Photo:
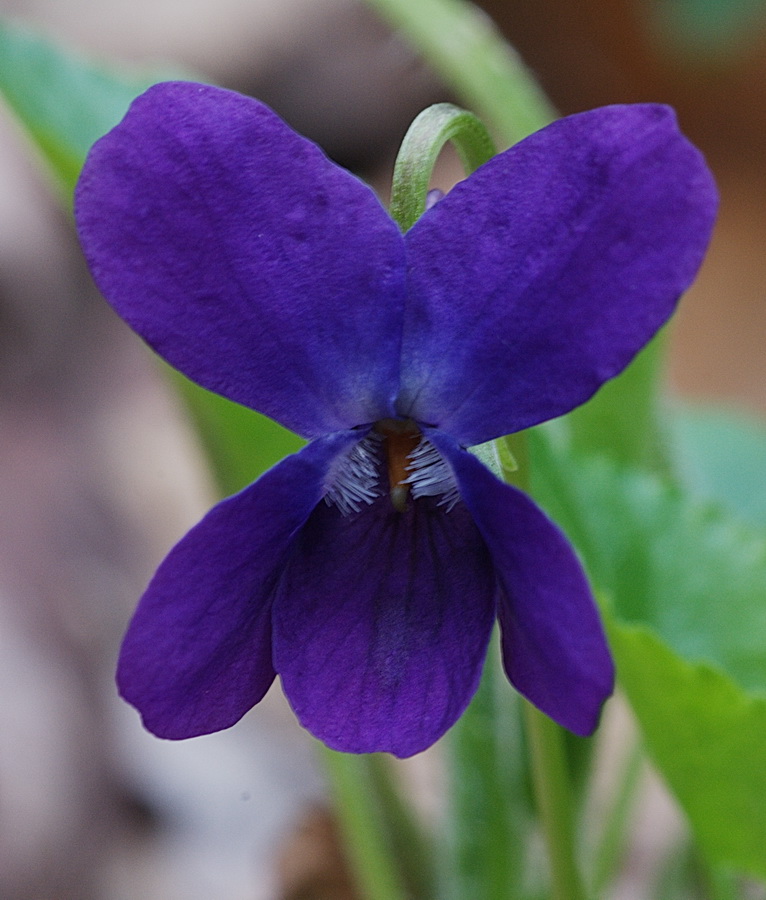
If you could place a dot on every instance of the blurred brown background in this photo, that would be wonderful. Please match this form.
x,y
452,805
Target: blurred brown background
x,y
99,473
605,51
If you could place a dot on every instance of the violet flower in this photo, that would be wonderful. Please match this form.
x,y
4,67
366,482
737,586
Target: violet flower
x,y
368,569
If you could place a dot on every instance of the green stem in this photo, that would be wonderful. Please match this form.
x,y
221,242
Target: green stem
x,y
488,803
469,53
363,827
547,756
553,795
411,844
420,148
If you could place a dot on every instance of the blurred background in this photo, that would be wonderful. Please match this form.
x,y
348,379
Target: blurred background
x,y
100,472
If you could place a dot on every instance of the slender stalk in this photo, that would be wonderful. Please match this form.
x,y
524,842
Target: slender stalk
x,y
553,795
422,144
547,758
411,843
363,827
488,803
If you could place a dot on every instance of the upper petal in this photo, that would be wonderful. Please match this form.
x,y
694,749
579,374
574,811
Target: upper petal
x,y
554,649
541,275
197,654
246,258
381,624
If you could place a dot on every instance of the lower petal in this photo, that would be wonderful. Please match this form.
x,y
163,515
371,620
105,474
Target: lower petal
x,y
197,654
381,624
554,649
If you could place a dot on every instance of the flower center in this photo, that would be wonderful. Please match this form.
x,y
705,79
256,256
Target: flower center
x,y
400,440
394,450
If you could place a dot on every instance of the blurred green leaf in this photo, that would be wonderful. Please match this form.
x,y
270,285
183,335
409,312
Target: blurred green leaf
x,y
625,418
63,100
721,455
707,736
688,585
687,569
240,444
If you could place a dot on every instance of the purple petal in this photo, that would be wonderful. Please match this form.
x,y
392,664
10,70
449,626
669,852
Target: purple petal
x,y
554,649
381,624
246,258
540,276
197,655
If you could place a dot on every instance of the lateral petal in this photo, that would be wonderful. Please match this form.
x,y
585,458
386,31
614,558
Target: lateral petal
x,y
554,649
381,624
197,654
246,258
539,277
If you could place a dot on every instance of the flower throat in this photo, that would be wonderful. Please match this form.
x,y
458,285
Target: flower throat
x,y
413,467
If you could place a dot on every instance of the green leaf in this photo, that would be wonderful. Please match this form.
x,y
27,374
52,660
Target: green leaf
x,y
688,586
722,456
64,101
625,419
240,443
690,570
707,736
